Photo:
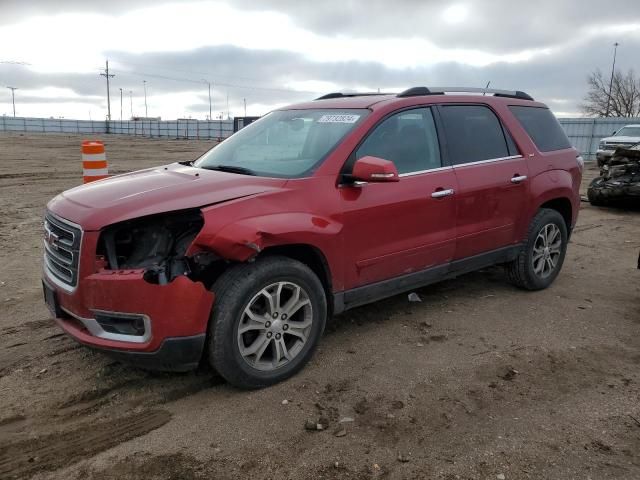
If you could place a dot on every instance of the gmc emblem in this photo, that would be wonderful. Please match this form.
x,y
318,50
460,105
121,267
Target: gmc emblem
x,y
50,237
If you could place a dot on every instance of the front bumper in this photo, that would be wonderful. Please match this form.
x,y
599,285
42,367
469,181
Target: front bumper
x,y
175,317
179,354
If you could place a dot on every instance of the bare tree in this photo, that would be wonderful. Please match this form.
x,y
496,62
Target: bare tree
x,y
625,95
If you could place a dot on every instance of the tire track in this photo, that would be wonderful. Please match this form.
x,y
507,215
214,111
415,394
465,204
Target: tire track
x,y
51,452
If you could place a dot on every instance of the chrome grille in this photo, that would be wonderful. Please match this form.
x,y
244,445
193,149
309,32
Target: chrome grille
x,y
61,249
614,145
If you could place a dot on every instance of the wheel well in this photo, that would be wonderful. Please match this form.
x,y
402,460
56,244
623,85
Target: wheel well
x,y
313,258
562,206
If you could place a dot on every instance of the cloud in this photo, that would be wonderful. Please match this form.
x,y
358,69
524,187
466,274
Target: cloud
x,y
276,52
14,11
497,26
270,78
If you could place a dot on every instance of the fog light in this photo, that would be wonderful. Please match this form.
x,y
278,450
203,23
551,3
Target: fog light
x,y
122,324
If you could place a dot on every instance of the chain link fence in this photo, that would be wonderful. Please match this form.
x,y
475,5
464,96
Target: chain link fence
x,y
185,129
584,133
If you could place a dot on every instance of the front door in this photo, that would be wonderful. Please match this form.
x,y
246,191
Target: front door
x,y
392,229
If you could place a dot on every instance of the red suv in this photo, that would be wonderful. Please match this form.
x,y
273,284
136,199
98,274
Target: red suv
x,y
241,255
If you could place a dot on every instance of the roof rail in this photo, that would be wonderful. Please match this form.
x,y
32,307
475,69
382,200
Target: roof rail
x,y
416,91
346,95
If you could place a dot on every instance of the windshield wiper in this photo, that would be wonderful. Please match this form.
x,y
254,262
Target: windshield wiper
x,y
230,169
187,163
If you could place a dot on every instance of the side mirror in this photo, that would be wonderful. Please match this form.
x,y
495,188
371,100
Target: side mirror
x,y
374,169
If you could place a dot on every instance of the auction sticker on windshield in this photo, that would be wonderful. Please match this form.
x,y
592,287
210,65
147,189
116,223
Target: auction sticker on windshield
x,y
338,118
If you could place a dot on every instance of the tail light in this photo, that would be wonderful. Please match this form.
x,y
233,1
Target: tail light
x,y
580,161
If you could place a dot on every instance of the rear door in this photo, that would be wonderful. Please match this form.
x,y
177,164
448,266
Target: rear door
x,y
392,229
491,175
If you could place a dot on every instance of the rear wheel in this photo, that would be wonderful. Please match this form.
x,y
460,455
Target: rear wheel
x,y
267,320
541,258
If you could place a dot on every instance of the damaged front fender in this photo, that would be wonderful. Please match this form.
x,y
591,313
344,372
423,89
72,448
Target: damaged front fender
x,y
243,240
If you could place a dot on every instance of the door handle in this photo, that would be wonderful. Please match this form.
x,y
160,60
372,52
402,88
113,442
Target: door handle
x,y
518,178
442,193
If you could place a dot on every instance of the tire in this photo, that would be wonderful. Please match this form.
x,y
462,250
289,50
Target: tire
x,y
242,301
522,272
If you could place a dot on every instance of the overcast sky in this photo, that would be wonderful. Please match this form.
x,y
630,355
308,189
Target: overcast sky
x,y
274,52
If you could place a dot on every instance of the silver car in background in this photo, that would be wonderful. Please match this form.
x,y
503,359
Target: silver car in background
x,y
626,137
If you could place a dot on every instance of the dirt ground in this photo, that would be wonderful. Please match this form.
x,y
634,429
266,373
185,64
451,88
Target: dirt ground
x,y
478,381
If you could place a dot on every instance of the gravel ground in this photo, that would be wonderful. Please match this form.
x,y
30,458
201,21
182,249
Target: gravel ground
x,y
478,381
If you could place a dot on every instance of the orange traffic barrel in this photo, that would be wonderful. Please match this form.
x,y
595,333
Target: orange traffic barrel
x,y
94,161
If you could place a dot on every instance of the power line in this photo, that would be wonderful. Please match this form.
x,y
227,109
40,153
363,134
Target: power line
x,y
192,72
230,85
107,75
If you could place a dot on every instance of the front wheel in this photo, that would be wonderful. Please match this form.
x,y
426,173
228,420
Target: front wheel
x,y
267,320
542,255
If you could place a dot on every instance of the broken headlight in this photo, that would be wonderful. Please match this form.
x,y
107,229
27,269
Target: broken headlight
x,y
156,243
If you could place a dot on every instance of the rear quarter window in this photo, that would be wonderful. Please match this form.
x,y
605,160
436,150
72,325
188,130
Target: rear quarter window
x,y
542,126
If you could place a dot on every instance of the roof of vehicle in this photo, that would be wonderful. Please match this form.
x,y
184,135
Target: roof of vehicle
x,y
434,94
354,101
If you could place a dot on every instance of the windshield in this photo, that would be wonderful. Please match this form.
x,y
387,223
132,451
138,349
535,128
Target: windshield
x,y
285,143
628,132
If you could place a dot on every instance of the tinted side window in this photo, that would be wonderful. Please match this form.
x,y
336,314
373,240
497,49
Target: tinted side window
x,y
474,133
543,128
408,139
513,150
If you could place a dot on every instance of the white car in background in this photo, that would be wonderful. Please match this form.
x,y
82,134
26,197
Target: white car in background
x,y
626,137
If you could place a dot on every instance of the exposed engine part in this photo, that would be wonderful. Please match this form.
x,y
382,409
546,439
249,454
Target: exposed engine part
x,y
619,180
157,244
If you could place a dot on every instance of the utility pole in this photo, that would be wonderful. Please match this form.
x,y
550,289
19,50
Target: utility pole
x,y
131,102
107,75
13,99
210,104
144,83
121,104
613,69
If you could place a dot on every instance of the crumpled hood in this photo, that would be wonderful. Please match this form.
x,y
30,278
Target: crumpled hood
x,y
155,190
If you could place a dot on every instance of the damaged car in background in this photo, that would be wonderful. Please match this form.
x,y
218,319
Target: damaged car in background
x,y
625,137
619,180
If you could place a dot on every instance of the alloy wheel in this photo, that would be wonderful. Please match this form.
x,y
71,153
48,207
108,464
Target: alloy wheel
x,y
275,326
547,249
